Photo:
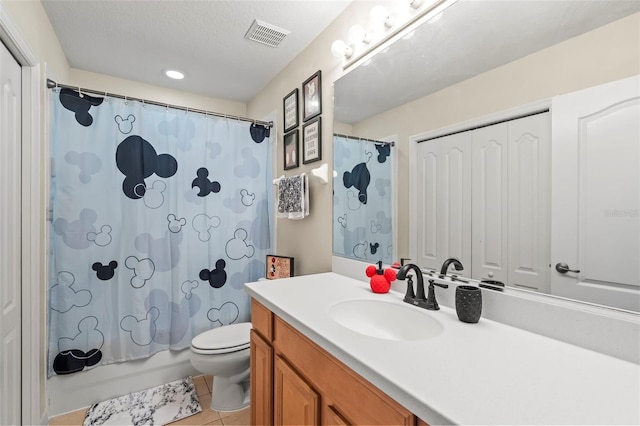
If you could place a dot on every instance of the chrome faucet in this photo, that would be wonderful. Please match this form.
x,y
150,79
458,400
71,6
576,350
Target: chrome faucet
x,y
456,263
418,298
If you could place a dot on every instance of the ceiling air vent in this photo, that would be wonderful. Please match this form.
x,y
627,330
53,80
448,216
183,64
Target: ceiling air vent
x,y
266,33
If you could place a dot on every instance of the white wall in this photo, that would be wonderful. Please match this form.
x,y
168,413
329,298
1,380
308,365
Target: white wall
x,y
119,86
310,240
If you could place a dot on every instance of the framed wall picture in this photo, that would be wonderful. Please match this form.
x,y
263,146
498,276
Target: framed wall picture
x,y
279,267
290,109
312,141
312,96
290,150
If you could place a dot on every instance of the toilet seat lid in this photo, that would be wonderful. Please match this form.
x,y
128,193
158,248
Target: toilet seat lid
x,y
228,338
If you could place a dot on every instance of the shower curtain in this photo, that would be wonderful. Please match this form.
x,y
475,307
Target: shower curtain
x,y
159,216
362,200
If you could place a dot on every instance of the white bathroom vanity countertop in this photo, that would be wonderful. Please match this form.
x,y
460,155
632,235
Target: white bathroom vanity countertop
x,y
484,373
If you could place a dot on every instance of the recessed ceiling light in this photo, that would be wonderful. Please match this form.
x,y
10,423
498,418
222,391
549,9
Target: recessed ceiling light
x,y
175,74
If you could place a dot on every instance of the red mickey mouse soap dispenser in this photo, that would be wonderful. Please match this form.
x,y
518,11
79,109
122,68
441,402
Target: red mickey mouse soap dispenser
x,y
381,280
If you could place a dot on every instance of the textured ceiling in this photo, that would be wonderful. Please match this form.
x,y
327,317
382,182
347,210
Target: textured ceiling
x,y
136,40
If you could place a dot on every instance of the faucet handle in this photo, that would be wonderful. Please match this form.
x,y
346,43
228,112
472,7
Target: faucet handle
x,y
432,282
409,295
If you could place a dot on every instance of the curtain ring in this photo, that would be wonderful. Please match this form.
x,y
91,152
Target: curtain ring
x,y
80,92
106,98
126,101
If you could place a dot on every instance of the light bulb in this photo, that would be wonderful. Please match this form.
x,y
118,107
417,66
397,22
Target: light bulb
x,y
389,21
358,34
340,49
378,15
337,48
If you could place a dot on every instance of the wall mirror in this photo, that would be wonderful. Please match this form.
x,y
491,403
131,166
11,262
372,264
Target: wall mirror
x,y
444,74
363,198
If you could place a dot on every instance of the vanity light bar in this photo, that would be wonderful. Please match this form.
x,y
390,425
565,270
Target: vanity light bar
x,y
436,7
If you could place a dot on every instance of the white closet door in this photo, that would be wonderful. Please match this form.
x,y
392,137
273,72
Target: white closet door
x,y
10,227
490,201
595,200
529,195
444,201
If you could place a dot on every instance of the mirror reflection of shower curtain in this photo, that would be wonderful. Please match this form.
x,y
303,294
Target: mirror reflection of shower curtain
x,y
362,200
159,218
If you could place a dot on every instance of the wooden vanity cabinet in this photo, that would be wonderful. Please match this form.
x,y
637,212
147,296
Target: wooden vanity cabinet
x,y
294,381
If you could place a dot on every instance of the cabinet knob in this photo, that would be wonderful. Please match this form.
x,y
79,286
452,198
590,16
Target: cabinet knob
x,y
490,274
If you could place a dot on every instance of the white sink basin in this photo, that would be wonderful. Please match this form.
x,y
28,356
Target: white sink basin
x,y
384,320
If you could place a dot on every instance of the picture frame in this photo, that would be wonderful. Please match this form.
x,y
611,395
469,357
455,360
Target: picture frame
x,y
312,141
279,267
290,110
290,150
312,96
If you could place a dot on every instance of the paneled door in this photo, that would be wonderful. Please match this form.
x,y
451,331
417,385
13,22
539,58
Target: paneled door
x,y
595,221
510,198
10,247
529,195
490,202
444,201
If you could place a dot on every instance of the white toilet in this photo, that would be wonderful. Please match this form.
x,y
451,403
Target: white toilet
x,y
223,352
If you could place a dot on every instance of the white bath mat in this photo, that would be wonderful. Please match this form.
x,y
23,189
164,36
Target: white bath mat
x,y
156,406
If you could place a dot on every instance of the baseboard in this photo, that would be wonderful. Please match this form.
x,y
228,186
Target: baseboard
x,y
76,391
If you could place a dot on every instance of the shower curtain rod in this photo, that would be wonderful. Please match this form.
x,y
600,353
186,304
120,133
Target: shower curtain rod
x,y
364,139
52,84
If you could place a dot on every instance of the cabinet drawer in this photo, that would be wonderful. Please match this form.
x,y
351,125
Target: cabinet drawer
x,y
262,320
358,401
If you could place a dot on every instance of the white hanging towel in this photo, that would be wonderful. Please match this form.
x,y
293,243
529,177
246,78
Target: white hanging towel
x,y
293,197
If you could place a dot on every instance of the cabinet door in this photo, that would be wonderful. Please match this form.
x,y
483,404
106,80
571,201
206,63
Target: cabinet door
x,y
261,381
296,403
331,416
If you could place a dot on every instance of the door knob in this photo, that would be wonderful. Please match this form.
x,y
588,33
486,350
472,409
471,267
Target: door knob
x,y
563,268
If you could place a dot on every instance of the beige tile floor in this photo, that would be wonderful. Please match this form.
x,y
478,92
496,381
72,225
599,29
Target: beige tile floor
x,y
206,417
